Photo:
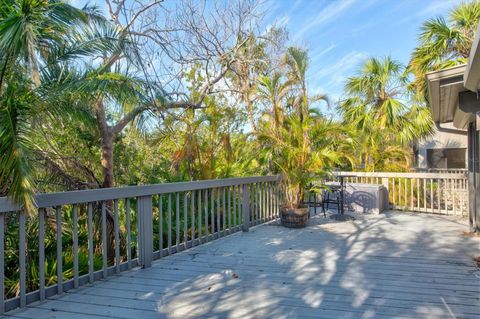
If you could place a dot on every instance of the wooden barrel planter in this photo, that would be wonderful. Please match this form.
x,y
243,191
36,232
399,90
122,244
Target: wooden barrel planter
x,y
294,218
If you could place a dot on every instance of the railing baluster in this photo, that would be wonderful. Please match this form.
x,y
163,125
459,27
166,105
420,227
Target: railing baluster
x,y
199,207
212,212
260,202
272,211
21,254
400,191
2,263
224,212
274,201
185,219
205,201
129,243
417,183
160,224
425,194
169,223
41,252
240,207
104,240
177,222
117,236
453,186
234,195
393,193
245,207
256,203
90,242
444,191
277,204
411,193
431,195
218,213
265,201
192,208
75,246
229,210
439,196
58,210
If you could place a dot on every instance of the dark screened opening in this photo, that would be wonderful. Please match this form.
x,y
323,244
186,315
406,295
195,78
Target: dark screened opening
x,y
446,158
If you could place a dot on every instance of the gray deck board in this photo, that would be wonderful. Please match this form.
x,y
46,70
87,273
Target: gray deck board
x,y
395,265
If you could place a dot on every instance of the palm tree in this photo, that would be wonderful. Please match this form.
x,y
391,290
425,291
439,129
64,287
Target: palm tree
x,y
382,110
30,31
273,89
297,61
444,42
302,150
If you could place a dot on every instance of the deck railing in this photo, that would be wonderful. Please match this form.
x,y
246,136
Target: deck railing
x,y
442,170
113,230
440,193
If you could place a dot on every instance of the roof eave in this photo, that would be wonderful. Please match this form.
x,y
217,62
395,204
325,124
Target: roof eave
x,y
472,73
435,80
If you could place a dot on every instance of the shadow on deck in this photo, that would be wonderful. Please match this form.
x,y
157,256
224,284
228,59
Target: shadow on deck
x,y
392,265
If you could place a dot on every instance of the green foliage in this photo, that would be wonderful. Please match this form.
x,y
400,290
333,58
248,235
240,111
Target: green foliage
x,y
385,116
302,150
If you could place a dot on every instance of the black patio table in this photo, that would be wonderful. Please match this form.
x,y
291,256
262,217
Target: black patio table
x,y
341,214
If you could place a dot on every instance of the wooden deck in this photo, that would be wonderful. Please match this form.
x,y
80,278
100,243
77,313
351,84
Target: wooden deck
x,y
394,265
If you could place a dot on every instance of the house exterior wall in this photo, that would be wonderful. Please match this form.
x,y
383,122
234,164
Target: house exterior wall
x,y
439,140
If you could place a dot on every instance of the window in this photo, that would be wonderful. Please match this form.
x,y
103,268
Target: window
x,y
446,158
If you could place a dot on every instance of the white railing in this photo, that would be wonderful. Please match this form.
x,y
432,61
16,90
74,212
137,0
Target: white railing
x,y
440,193
115,229
442,170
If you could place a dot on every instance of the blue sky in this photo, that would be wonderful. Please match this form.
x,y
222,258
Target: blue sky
x,y
340,34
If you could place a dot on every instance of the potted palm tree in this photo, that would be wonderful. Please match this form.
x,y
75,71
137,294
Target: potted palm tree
x,y
302,151
301,144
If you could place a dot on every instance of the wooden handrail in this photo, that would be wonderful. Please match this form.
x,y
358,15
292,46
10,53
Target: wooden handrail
x,y
101,194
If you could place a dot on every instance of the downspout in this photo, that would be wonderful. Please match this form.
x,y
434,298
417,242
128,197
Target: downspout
x,y
450,130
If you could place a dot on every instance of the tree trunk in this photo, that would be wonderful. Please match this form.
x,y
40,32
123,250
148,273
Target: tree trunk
x,y
250,115
106,159
248,103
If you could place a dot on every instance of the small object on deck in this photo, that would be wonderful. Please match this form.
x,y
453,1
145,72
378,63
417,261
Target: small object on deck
x,y
477,260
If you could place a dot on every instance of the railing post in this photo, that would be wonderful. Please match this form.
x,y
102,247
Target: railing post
x,y
145,231
246,208
385,184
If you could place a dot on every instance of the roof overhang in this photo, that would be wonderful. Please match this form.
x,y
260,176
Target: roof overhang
x,y
472,74
453,92
443,89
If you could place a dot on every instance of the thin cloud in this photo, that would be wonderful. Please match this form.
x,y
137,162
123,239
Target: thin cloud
x,y
333,10
334,75
436,8
315,56
283,21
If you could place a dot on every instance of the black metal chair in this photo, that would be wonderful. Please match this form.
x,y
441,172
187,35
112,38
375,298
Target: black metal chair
x,y
331,196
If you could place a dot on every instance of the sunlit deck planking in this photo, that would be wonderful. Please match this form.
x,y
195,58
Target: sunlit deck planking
x,y
394,265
